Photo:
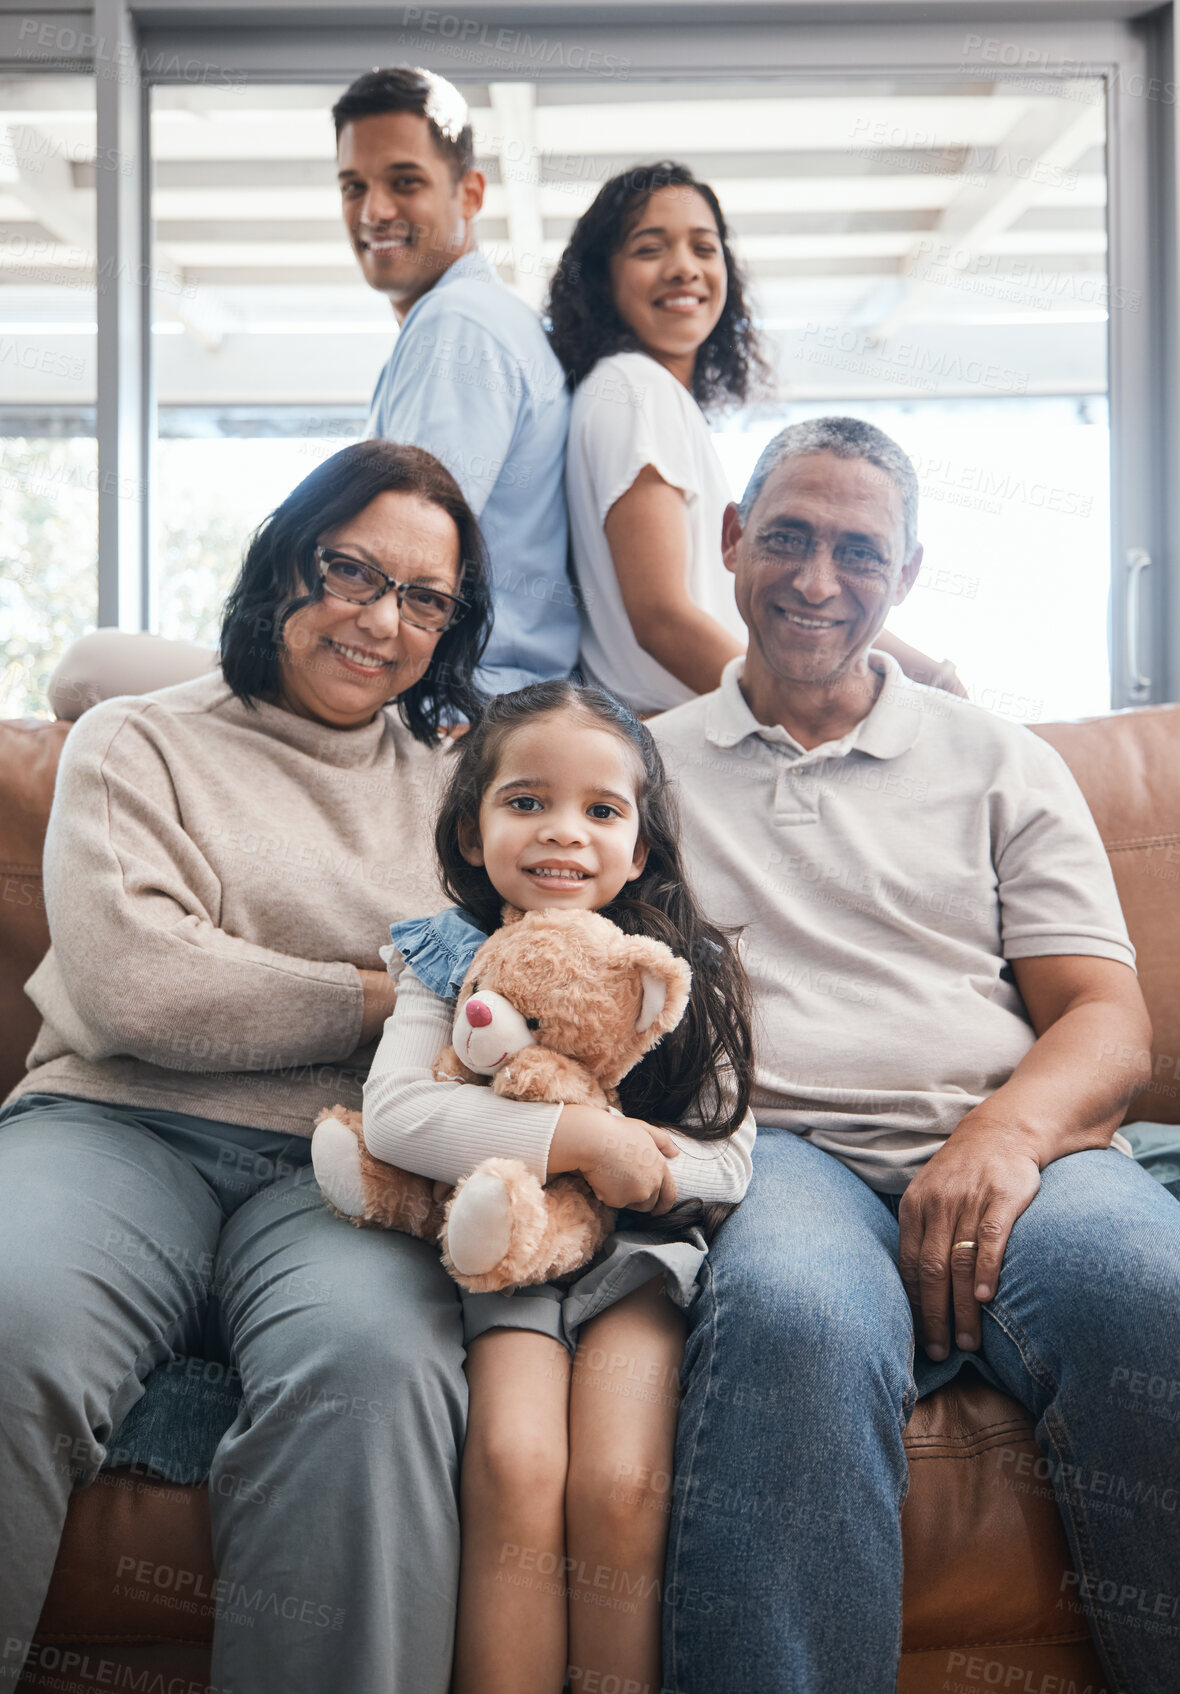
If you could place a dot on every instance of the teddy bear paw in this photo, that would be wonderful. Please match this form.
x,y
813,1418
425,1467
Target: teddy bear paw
x,y
336,1160
479,1225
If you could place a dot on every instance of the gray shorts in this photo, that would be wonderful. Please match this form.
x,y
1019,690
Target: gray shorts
x,y
628,1259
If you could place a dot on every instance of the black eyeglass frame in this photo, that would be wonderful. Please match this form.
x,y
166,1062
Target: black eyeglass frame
x,y
458,605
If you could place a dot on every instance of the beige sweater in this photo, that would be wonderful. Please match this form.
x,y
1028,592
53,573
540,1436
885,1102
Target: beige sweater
x,y
214,877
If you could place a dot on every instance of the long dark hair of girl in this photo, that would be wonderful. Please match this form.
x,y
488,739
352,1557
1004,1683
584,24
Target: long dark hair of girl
x,y
712,1042
585,323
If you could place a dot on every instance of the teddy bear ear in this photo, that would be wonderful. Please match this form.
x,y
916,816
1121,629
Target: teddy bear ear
x,y
655,998
664,982
510,914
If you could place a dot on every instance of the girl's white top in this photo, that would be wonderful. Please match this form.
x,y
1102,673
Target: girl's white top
x,y
444,1129
631,412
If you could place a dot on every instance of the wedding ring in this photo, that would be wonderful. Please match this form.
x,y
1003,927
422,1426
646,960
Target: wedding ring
x,y
972,1244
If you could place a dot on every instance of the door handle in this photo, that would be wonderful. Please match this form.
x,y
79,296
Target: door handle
x,y
1138,563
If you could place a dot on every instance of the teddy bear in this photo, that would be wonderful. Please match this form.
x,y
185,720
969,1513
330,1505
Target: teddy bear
x,y
555,1006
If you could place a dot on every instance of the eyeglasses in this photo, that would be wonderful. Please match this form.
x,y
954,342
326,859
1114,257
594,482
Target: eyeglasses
x,y
353,579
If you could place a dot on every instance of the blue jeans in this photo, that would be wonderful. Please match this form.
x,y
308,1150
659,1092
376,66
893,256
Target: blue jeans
x,y
784,1557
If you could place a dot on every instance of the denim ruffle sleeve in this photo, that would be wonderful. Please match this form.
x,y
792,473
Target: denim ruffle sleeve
x,y
439,949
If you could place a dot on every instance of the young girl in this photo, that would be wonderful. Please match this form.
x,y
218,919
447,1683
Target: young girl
x,y
559,799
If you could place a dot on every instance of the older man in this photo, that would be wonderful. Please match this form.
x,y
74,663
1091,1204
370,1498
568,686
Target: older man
x,y
939,963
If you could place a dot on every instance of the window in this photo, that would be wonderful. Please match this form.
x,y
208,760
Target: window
x,y
48,460
930,255
954,229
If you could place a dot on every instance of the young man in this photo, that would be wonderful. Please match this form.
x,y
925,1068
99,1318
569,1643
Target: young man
x,y
938,960
471,378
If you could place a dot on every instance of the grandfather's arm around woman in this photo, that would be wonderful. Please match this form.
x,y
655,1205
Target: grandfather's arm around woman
x,y
222,861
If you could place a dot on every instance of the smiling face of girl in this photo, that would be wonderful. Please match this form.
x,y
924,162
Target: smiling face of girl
x,y
559,820
668,279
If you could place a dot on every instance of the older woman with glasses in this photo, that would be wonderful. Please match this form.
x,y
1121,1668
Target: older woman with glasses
x,y
222,864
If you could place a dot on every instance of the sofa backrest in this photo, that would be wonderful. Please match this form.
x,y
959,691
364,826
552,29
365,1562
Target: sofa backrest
x,y
29,751
1127,765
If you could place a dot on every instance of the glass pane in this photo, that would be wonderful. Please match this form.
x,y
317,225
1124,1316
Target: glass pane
x,y
209,495
937,265
267,356
48,562
48,468
929,255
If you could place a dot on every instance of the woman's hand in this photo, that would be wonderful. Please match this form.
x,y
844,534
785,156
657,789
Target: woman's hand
x,y
625,1160
972,1190
380,997
919,666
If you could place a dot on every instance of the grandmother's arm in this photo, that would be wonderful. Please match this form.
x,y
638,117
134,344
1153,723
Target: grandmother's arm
x,y
133,908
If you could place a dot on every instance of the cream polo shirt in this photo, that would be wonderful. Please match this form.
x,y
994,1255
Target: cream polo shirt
x,y
883,881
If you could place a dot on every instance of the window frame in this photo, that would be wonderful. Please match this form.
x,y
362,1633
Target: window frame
x,y
145,43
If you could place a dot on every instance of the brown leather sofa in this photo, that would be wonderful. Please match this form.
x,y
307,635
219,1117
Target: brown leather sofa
x,y
985,1557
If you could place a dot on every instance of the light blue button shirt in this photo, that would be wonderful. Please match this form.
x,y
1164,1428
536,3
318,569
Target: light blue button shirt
x,y
472,379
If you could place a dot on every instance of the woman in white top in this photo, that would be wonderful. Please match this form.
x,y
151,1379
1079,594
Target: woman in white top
x,y
650,322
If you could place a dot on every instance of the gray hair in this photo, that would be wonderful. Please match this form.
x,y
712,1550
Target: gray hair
x,y
847,438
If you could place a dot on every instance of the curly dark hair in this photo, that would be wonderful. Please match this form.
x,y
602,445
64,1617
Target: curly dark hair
x,y
585,323
713,1041
279,577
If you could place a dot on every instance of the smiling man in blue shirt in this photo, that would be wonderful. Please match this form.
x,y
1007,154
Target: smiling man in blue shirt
x,y
472,377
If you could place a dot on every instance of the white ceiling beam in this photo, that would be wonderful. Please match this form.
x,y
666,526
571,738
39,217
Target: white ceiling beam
x,y
514,106
997,188
45,183
804,123
295,256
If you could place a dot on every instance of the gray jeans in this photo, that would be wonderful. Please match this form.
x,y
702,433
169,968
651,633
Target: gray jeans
x,y
127,1236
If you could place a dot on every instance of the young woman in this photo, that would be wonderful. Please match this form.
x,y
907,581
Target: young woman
x,y
559,799
221,861
650,321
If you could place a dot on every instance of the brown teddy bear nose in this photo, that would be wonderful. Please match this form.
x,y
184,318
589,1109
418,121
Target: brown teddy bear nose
x,y
479,1015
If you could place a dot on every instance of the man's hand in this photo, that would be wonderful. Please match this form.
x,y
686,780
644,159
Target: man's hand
x,y
624,1160
973,1189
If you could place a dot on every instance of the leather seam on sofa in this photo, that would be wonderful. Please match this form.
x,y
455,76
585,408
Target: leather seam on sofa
x,y
1002,1641
962,1447
981,1429
1139,842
